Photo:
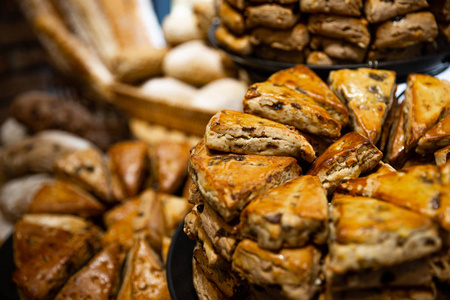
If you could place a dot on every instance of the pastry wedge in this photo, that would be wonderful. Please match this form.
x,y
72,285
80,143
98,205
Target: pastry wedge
x,y
88,169
174,210
378,10
435,138
223,278
48,249
169,160
352,30
395,153
61,197
232,131
304,80
442,156
369,233
427,100
294,270
418,188
228,182
349,8
206,289
144,276
345,159
271,16
338,49
106,266
129,161
369,95
294,39
285,105
232,19
408,274
409,30
289,215
237,44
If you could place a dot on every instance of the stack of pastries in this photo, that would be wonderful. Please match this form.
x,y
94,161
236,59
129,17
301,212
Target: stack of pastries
x,y
93,225
293,201
333,32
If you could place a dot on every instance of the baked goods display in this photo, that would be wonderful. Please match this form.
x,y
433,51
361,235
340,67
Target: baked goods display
x,y
351,227
356,31
93,223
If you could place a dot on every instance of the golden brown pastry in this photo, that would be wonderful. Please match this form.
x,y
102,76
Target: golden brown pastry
x,y
440,265
144,276
294,39
169,163
418,188
435,138
88,169
368,233
318,58
379,10
369,95
338,49
294,270
233,20
98,279
232,131
129,162
215,177
304,80
237,44
271,16
121,211
48,249
352,30
61,197
223,278
204,287
348,8
395,152
347,158
149,221
411,29
442,156
174,210
426,100
285,105
289,215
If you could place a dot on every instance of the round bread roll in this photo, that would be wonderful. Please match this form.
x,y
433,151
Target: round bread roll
x,y
197,64
169,89
226,93
181,26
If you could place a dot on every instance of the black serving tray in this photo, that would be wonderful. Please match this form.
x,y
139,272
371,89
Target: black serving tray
x,y
8,289
179,267
260,69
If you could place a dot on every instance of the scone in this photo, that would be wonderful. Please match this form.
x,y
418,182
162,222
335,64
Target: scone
x,y
271,16
48,249
369,95
206,290
426,100
338,49
237,44
368,233
295,39
379,10
285,105
289,215
232,131
352,30
435,138
395,152
408,274
129,160
411,29
319,58
418,188
232,19
293,270
442,156
347,158
61,197
347,8
224,278
85,284
144,276
215,177
174,209
304,80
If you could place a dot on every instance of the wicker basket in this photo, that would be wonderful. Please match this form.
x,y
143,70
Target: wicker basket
x,y
185,118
